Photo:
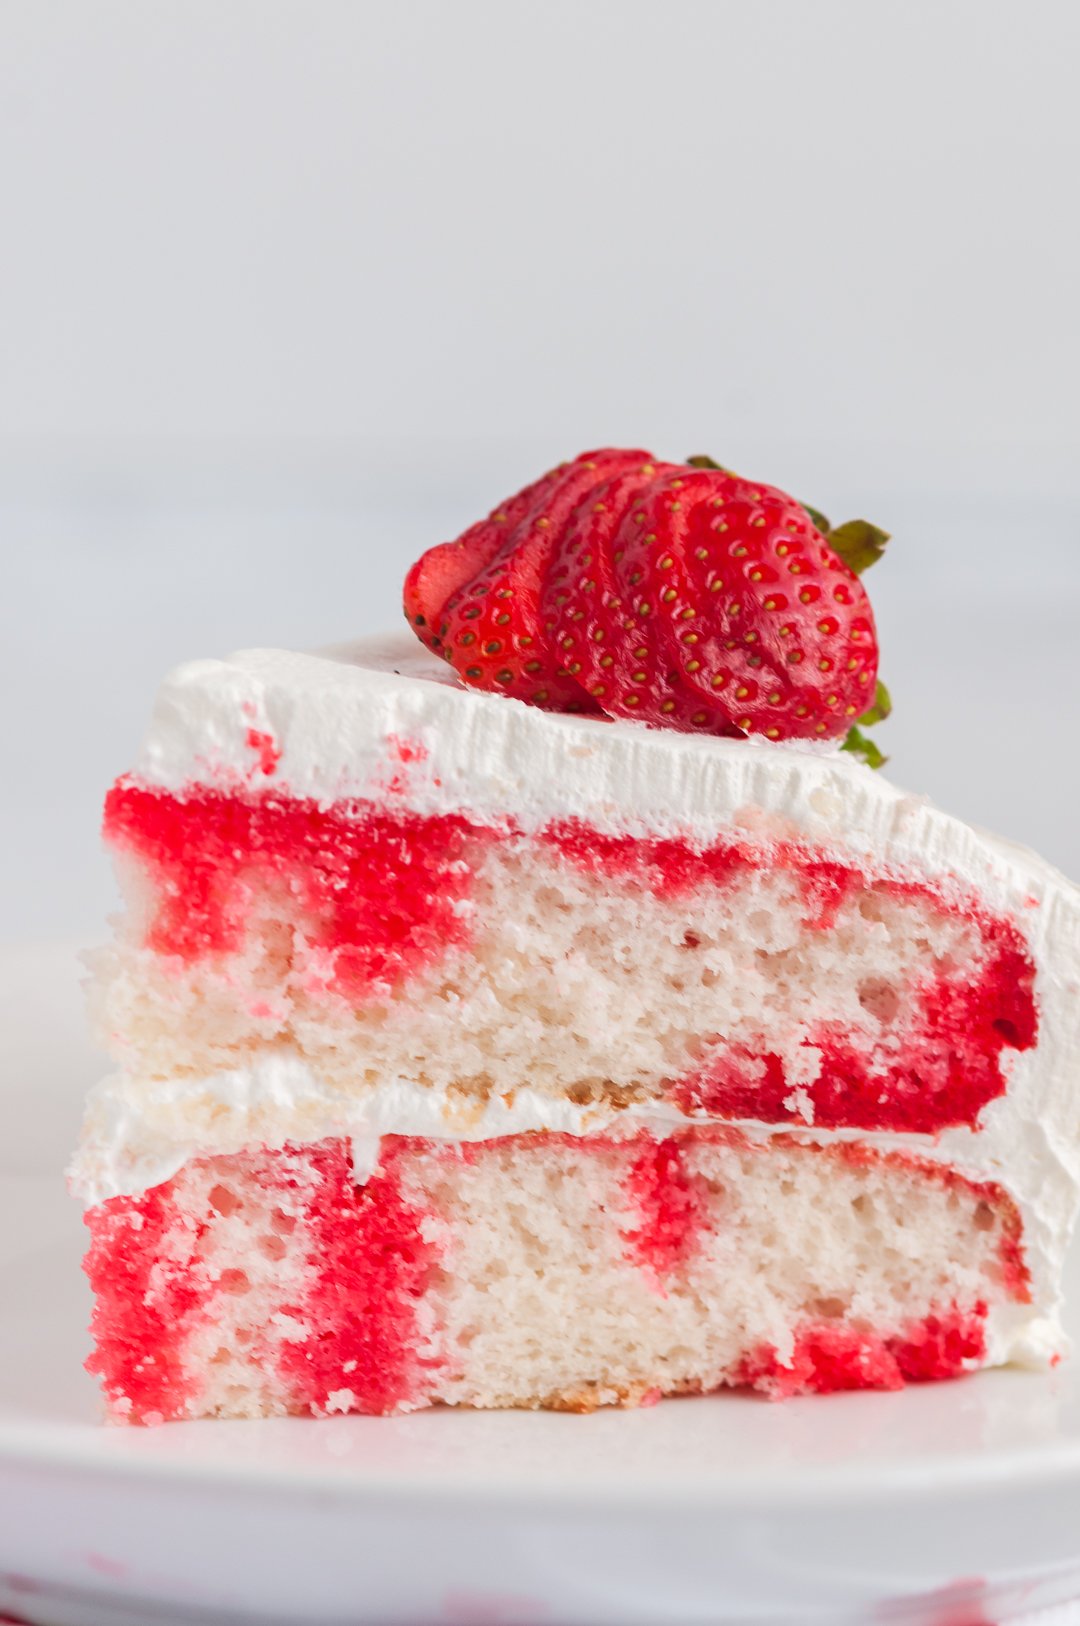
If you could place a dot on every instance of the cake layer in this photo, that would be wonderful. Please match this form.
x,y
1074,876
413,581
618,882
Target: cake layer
x,y
545,1270
747,978
350,859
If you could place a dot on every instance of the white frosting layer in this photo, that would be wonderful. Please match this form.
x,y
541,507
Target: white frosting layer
x,y
386,721
139,1132
339,724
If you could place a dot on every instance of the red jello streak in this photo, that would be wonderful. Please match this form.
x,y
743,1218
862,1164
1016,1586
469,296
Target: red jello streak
x,y
380,888
671,867
670,1207
829,1357
674,1211
667,866
266,749
148,1298
371,1264
947,1064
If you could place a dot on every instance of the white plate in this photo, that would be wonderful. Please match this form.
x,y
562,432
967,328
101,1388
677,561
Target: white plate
x,y
942,1505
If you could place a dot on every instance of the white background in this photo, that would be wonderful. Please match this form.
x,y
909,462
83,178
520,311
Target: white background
x,y
289,291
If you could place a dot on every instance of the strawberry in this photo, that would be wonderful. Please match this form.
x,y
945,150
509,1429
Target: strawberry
x,y
441,571
584,618
492,627
434,577
755,611
679,704
676,594
597,634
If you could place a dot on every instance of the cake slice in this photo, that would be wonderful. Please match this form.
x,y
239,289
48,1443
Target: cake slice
x,y
471,1052
514,1058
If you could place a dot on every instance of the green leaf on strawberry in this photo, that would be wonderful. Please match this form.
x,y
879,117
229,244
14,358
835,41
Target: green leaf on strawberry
x,y
857,742
820,522
701,460
864,748
858,543
880,709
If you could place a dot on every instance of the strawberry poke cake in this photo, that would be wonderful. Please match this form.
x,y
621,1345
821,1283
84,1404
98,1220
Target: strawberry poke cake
x,y
550,1006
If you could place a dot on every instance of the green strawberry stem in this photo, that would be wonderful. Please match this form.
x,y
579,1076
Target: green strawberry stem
x,y
857,742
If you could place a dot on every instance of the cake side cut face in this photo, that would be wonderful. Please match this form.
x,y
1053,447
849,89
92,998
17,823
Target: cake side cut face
x,y
545,1271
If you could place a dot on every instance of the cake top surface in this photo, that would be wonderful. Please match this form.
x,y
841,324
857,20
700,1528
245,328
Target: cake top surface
x,y
384,720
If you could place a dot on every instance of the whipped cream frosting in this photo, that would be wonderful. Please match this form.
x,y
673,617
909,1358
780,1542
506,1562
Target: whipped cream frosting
x,y
385,720
384,717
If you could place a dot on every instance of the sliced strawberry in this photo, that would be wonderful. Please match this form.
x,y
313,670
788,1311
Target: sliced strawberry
x,y
681,596
655,690
592,628
435,576
760,615
584,618
442,570
492,628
